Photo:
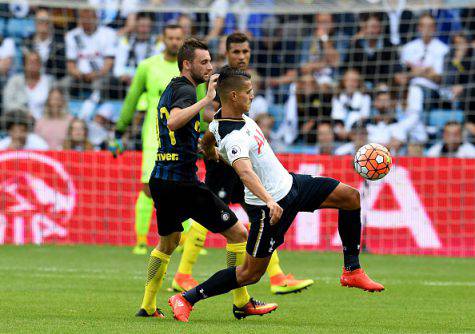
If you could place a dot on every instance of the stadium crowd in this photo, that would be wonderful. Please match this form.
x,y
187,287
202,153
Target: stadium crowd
x,y
324,83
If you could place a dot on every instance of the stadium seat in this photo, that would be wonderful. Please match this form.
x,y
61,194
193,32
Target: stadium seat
x,y
438,117
20,28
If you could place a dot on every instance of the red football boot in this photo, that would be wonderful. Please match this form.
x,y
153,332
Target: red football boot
x,y
181,307
358,279
253,307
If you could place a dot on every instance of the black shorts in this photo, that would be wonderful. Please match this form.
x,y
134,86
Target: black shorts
x,y
306,195
175,202
223,180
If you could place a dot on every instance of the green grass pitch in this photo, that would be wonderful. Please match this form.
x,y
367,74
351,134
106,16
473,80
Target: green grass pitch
x,y
83,289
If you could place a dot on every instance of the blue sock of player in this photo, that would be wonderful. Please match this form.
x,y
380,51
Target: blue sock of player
x,y
349,228
221,282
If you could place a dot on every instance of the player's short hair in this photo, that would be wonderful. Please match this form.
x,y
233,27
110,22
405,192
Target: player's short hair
x,y
236,37
187,51
171,26
229,79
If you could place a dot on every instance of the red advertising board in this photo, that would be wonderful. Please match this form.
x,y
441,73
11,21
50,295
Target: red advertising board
x,y
424,205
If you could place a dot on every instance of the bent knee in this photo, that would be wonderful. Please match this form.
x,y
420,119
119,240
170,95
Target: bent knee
x,y
251,277
236,234
354,199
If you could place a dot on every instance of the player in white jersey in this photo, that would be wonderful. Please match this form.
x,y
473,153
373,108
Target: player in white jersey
x,y
273,198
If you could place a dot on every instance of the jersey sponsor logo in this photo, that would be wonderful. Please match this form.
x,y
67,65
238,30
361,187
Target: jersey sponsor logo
x,y
168,157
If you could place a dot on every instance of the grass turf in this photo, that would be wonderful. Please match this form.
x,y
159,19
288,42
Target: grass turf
x,y
72,289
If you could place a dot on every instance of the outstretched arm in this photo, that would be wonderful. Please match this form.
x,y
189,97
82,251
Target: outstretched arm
x,y
243,168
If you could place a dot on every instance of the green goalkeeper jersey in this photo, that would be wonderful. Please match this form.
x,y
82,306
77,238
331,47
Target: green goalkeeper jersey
x,y
151,77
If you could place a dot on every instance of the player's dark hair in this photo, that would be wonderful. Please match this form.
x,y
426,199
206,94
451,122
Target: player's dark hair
x,y
230,78
172,26
236,37
187,51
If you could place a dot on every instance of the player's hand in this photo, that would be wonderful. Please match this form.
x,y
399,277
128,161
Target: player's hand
x,y
213,81
210,152
275,211
115,146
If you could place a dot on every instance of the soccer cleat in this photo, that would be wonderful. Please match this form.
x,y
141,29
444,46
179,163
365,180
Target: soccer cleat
x,y
157,314
253,307
358,279
183,282
281,284
181,307
140,249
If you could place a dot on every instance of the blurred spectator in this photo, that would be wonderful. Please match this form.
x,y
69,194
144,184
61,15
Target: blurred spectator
x,y
313,105
372,54
7,52
350,105
259,103
415,149
320,52
117,14
460,75
90,51
399,22
227,16
274,58
358,137
77,136
409,114
186,22
266,123
49,44
53,126
325,139
132,49
424,59
452,144
448,22
29,90
101,126
382,128
18,125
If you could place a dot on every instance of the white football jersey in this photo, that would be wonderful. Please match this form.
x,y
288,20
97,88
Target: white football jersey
x,y
243,139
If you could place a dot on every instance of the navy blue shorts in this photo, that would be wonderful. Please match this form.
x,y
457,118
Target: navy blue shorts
x,y
306,195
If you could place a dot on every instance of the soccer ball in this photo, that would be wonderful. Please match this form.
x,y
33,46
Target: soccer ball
x,y
373,161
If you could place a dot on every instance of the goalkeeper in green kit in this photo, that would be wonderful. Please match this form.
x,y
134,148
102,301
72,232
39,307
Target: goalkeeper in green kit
x,y
152,77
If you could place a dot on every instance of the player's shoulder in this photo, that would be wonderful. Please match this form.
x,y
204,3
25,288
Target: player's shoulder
x,y
183,86
226,126
151,60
